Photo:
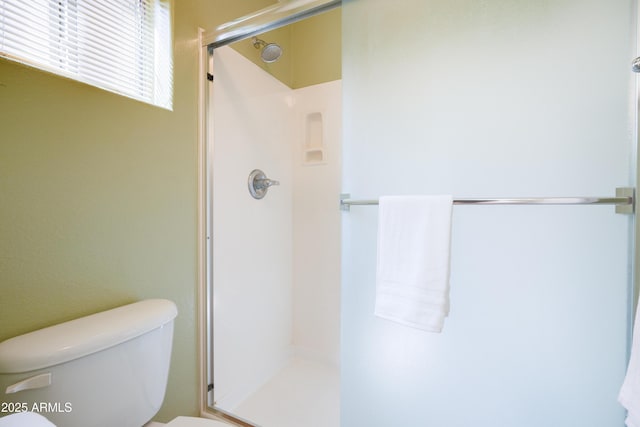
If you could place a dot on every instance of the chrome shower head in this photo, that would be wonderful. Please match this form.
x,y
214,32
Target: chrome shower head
x,y
270,51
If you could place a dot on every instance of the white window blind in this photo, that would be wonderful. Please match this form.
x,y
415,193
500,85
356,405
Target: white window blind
x,y
120,45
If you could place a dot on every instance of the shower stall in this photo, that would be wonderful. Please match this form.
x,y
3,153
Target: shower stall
x,y
273,240
479,100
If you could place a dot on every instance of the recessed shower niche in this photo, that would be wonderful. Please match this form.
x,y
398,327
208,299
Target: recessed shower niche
x,y
314,152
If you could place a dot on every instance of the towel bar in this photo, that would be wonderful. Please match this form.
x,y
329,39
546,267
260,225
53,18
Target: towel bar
x,y
624,201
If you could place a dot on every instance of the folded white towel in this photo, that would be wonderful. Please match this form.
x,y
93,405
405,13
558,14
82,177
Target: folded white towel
x,y
629,395
414,240
26,419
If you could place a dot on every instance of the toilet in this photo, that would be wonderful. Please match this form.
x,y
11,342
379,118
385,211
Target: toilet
x,y
103,370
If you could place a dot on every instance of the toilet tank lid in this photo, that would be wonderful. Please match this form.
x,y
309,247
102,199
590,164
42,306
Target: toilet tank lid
x,y
80,337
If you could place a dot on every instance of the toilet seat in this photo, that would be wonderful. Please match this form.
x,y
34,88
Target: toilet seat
x,y
195,422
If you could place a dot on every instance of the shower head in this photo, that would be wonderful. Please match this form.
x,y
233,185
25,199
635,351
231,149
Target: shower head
x,y
270,51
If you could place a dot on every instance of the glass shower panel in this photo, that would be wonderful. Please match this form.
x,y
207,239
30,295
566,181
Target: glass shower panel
x,y
491,99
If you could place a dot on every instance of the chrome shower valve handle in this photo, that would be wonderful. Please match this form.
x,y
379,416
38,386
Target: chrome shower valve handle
x,y
259,184
265,183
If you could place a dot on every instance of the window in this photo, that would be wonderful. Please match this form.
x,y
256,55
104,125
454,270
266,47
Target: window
x,y
120,45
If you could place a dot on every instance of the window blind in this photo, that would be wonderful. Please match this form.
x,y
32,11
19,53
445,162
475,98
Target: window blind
x,y
124,46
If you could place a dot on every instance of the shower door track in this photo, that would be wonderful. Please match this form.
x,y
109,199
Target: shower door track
x,y
267,19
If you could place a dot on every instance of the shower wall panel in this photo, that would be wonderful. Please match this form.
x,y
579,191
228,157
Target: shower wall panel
x,y
252,239
316,222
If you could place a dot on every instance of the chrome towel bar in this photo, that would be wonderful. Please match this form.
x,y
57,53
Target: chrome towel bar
x,y
624,201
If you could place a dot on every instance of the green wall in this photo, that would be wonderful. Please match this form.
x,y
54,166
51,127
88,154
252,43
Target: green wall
x,y
98,198
317,49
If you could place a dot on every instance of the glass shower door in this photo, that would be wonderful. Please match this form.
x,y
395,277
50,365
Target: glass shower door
x,y
492,99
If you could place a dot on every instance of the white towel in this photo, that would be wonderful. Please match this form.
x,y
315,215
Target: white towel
x,y
414,240
629,395
26,419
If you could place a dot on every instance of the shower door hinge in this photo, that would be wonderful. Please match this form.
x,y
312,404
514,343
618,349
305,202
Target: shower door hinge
x,y
210,77
210,387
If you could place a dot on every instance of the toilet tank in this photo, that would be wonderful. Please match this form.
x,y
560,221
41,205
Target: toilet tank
x,y
104,370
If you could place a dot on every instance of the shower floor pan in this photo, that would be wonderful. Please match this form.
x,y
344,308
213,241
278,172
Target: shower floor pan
x,y
304,393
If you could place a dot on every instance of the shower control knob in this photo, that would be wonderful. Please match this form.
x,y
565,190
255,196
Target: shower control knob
x,y
259,184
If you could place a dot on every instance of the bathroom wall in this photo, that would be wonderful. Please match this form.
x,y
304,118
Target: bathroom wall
x,y
492,99
316,45
276,261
